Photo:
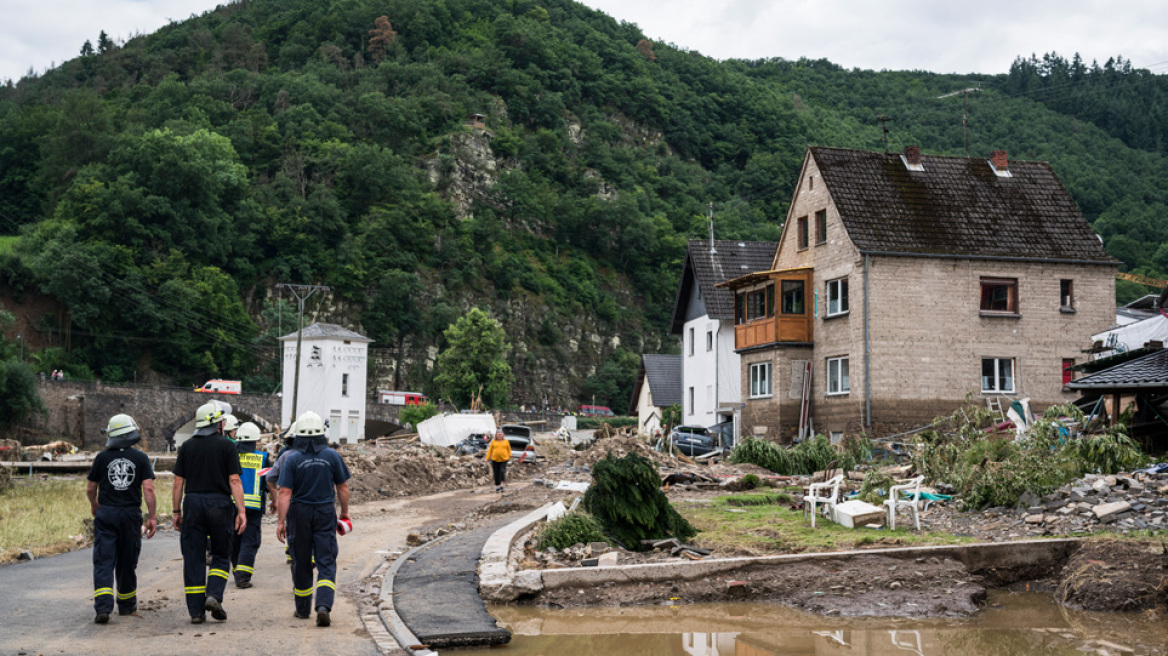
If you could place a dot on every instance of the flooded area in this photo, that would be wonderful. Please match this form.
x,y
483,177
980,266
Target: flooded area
x,y
1012,623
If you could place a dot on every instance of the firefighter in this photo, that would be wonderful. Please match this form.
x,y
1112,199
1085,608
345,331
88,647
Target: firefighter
x,y
119,478
312,478
273,477
230,426
207,471
246,544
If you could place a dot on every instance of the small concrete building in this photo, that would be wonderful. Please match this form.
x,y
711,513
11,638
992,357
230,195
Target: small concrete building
x,y
658,386
333,364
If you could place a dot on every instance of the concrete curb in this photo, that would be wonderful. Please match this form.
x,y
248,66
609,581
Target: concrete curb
x,y
498,580
986,557
407,642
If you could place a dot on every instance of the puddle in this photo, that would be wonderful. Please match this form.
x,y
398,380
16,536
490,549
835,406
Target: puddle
x,y
1012,623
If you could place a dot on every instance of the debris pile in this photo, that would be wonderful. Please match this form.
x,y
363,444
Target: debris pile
x,y
413,469
1126,502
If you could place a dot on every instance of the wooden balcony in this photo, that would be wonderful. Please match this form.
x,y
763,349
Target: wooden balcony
x,y
789,322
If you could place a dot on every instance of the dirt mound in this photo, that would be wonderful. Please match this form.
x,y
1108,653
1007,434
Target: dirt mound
x,y
411,469
1115,575
620,446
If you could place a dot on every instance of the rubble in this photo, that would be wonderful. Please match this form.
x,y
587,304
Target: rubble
x,y
411,468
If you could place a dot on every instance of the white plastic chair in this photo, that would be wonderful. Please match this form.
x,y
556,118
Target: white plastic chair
x,y
825,493
894,502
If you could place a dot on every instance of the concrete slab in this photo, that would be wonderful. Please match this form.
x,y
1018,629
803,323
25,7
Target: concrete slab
x,y
855,513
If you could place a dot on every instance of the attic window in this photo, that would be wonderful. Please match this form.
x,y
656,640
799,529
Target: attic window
x,y
999,296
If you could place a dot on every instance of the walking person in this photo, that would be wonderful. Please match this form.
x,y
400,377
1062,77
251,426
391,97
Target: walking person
x,y
245,545
499,454
312,478
207,471
117,481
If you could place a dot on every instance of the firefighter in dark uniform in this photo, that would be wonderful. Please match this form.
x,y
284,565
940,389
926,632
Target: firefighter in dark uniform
x,y
207,470
246,544
273,477
308,517
119,478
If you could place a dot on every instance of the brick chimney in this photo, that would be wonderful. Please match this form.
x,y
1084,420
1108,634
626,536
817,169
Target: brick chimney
x,y
912,155
999,160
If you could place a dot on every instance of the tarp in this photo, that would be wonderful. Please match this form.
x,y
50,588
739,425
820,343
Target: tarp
x,y
450,429
1133,335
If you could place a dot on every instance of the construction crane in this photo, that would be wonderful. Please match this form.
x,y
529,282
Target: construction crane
x,y
1143,280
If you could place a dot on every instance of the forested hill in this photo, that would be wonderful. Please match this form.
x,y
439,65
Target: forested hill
x,y
160,187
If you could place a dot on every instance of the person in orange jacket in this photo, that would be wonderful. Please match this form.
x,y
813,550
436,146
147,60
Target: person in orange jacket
x,y
499,454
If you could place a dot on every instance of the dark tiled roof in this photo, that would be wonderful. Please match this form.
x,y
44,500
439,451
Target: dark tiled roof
x,y
662,373
1148,371
327,330
705,269
956,206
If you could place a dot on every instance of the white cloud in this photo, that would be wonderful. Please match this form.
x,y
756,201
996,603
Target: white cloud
x,y
892,34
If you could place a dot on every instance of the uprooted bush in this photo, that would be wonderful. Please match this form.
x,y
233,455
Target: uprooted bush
x,y
994,469
572,528
626,498
806,457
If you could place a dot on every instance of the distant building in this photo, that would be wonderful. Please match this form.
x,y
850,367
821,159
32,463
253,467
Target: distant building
x,y
703,316
333,363
904,282
658,386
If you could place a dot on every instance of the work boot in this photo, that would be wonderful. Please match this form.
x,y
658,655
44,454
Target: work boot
x,y
212,604
322,616
298,616
243,583
198,619
102,618
130,611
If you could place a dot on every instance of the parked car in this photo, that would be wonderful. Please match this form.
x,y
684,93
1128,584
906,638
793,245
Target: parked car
x,y
595,411
518,436
692,441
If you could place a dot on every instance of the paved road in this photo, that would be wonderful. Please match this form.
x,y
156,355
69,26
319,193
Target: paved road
x,y
436,594
46,606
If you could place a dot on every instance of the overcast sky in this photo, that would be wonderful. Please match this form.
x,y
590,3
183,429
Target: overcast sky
x,y
934,35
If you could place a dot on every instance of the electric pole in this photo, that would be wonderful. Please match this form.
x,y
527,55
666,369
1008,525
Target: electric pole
x,y
301,292
964,112
884,119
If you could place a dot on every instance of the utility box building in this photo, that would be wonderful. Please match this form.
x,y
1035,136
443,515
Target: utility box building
x,y
333,363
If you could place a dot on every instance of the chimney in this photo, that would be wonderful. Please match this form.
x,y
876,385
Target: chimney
x,y
912,155
998,159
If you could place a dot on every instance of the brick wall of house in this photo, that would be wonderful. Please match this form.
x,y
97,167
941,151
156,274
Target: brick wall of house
x,y
775,417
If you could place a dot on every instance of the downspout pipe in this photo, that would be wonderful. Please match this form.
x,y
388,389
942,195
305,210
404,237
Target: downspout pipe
x,y
867,354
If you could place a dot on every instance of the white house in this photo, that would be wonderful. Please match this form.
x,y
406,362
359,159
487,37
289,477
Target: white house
x,y
703,316
332,379
658,386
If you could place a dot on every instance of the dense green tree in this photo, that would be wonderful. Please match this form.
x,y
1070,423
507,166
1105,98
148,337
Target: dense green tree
x,y
475,361
18,393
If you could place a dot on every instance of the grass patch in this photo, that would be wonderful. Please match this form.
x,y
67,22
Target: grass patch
x,y
47,516
7,243
759,524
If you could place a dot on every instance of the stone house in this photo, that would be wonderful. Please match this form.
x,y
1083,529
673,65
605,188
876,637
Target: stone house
x,y
703,317
658,386
905,283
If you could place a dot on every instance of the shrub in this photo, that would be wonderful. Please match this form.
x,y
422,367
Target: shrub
x,y
752,481
572,528
804,458
416,414
626,498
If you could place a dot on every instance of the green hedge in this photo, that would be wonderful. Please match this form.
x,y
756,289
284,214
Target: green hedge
x,y
585,423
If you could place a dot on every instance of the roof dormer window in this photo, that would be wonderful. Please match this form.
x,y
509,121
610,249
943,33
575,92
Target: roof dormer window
x,y
912,158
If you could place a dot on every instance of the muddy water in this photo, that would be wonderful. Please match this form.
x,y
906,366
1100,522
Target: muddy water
x,y
1012,623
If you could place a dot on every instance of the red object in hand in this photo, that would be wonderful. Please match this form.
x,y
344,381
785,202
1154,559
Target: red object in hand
x,y
344,526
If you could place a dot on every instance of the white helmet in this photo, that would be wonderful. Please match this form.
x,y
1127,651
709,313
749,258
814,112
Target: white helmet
x,y
248,432
122,432
211,413
230,423
308,424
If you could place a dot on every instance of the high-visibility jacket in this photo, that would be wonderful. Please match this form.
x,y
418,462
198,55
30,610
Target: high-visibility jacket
x,y
253,484
499,451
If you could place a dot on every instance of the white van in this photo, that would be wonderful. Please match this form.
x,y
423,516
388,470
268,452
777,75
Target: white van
x,y
218,386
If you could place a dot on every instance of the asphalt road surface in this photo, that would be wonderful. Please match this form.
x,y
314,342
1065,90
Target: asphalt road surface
x,y
46,606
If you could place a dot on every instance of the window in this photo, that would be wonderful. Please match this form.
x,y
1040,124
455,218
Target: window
x,y
810,182
836,437
802,223
839,379
691,401
1068,374
760,380
997,375
1067,294
837,297
709,340
756,304
821,227
999,295
344,384
691,341
740,307
792,296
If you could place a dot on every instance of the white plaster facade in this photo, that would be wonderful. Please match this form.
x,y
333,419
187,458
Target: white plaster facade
x,y
711,388
648,415
333,365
